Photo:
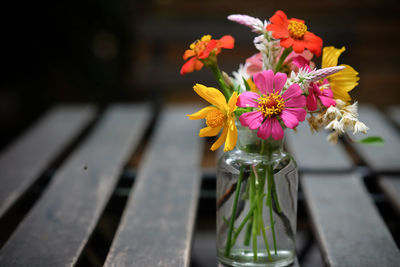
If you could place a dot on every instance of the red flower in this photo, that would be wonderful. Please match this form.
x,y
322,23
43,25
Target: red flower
x,y
293,33
201,49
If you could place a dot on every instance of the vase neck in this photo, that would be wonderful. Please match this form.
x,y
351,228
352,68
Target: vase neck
x,y
249,142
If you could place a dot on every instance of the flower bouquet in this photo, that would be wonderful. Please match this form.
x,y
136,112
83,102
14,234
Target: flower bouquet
x,y
274,90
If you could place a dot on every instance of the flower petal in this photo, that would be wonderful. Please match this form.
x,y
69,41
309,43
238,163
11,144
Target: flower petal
x,y
227,42
289,118
299,45
313,43
248,99
232,102
279,18
265,129
296,102
202,113
212,95
210,46
188,53
251,119
277,131
191,65
330,56
220,140
231,138
327,101
209,131
264,81
299,113
293,91
286,42
312,101
279,81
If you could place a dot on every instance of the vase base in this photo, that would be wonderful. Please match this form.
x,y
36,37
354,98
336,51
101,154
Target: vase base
x,y
245,257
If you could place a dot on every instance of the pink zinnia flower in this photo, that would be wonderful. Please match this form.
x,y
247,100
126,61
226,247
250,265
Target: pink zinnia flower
x,y
321,91
272,105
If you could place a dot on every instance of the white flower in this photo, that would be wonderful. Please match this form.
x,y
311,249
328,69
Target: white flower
x,y
255,24
360,127
239,75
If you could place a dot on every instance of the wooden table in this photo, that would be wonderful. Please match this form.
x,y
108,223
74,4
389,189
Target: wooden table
x,y
61,180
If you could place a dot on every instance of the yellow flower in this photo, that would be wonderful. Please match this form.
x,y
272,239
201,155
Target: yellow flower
x,y
218,116
343,81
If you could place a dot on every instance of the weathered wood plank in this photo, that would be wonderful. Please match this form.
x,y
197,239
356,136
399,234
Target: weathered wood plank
x,y
394,113
29,156
387,157
347,225
158,223
314,153
391,187
58,227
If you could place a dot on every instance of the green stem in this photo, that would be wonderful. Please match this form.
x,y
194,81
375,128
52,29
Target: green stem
x,y
284,55
266,240
259,199
234,207
269,201
243,223
220,79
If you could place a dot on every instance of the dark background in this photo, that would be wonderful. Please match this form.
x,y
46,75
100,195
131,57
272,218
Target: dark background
x,y
127,51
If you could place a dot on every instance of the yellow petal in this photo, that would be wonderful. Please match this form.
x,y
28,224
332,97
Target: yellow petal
x,y
252,85
343,82
231,138
330,56
209,131
212,95
202,113
232,102
220,140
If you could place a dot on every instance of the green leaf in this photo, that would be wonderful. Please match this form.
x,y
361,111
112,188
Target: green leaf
x,y
240,111
372,141
246,84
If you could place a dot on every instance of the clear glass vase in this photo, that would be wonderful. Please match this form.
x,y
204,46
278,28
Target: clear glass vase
x,y
256,203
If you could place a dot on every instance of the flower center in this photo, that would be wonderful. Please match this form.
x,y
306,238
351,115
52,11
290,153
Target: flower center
x,y
297,29
215,118
271,105
200,45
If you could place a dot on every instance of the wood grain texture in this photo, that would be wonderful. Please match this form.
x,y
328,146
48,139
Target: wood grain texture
x,y
57,228
346,223
387,157
29,156
314,153
158,223
391,187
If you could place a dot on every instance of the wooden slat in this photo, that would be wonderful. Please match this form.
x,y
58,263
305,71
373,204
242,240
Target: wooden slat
x,y
347,224
158,223
314,153
57,228
387,157
391,187
29,156
394,113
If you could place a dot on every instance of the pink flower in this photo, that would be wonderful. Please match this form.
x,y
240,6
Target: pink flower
x,y
296,61
255,63
272,105
321,91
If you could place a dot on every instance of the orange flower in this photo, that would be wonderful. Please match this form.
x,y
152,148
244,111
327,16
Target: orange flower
x,y
293,33
201,49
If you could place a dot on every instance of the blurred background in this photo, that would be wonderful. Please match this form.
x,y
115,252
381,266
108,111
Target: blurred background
x,y
129,50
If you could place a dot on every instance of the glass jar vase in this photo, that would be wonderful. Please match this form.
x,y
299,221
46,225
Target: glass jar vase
x,y
256,203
